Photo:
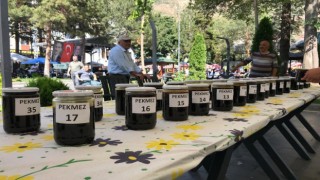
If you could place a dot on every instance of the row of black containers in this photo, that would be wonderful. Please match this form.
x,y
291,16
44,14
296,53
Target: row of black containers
x,y
178,100
74,112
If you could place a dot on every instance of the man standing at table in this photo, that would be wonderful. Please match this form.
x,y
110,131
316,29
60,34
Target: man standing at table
x,y
264,63
120,62
74,66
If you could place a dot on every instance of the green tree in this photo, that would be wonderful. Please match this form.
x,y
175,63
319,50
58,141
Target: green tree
x,y
264,32
20,12
166,35
49,15
142,11
197,60
65,16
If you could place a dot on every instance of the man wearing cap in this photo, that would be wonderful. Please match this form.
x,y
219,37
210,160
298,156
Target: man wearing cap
x,y
264,63
121,63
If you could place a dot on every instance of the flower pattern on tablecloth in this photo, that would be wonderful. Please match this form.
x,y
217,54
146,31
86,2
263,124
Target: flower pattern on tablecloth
x,y
20,147
189,127
121,128
103,142
186,136
250,109
235,119
238,134
275,101
14,177
48,137
130,157
162,144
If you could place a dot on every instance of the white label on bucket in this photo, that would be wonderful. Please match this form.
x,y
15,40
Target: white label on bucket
x,y
252,89
200,97
98,100
224,94
274,86
159,94
72,113
288,84
267,87
281,85
243,91
179,100
144,105
262,88
27,106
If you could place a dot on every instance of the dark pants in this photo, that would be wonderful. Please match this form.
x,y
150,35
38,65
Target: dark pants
x,y
117,79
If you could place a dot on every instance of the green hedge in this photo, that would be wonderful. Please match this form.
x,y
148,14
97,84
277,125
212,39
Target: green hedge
x,y
46,87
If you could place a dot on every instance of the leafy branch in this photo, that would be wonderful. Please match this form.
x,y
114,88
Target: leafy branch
x,y
56,166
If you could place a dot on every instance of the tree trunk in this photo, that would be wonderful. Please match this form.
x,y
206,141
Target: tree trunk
x,y
310,58
46,71
154,50
17,36
41,49
83,46
142,44
285,37
247,41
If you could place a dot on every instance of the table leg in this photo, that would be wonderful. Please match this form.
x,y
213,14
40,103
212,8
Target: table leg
x,y
308,126
299,137
219,164
260,159
277,159
302,152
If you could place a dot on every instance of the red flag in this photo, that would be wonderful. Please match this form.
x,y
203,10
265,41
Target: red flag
x,y
67,52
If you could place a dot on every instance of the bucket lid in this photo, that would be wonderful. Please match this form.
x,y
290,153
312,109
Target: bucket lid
x,y
148,84
72,93
176,87
175,83
140,89
197,85
20,89
125,85
221,84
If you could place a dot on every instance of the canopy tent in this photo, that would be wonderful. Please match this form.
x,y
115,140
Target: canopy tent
x,y
160,61
18,57
39,60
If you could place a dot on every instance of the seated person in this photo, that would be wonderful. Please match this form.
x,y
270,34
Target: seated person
x,y
84,77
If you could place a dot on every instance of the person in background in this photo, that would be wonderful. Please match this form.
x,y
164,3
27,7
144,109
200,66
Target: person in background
x,y
210,73
120,62
74,66
57,52
264,63
86,77
77,52
312,75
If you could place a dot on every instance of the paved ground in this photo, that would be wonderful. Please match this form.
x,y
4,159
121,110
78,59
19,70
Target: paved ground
x,y
243,166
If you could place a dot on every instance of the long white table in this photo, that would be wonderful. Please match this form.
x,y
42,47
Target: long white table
x,y
165,152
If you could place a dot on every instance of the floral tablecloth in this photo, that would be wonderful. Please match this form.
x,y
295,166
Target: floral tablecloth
x,y
165,152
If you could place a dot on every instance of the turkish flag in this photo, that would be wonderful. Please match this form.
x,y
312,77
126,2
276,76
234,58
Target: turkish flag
x,y
67,52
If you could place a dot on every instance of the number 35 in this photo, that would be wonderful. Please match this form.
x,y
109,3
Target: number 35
x,y
32,110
